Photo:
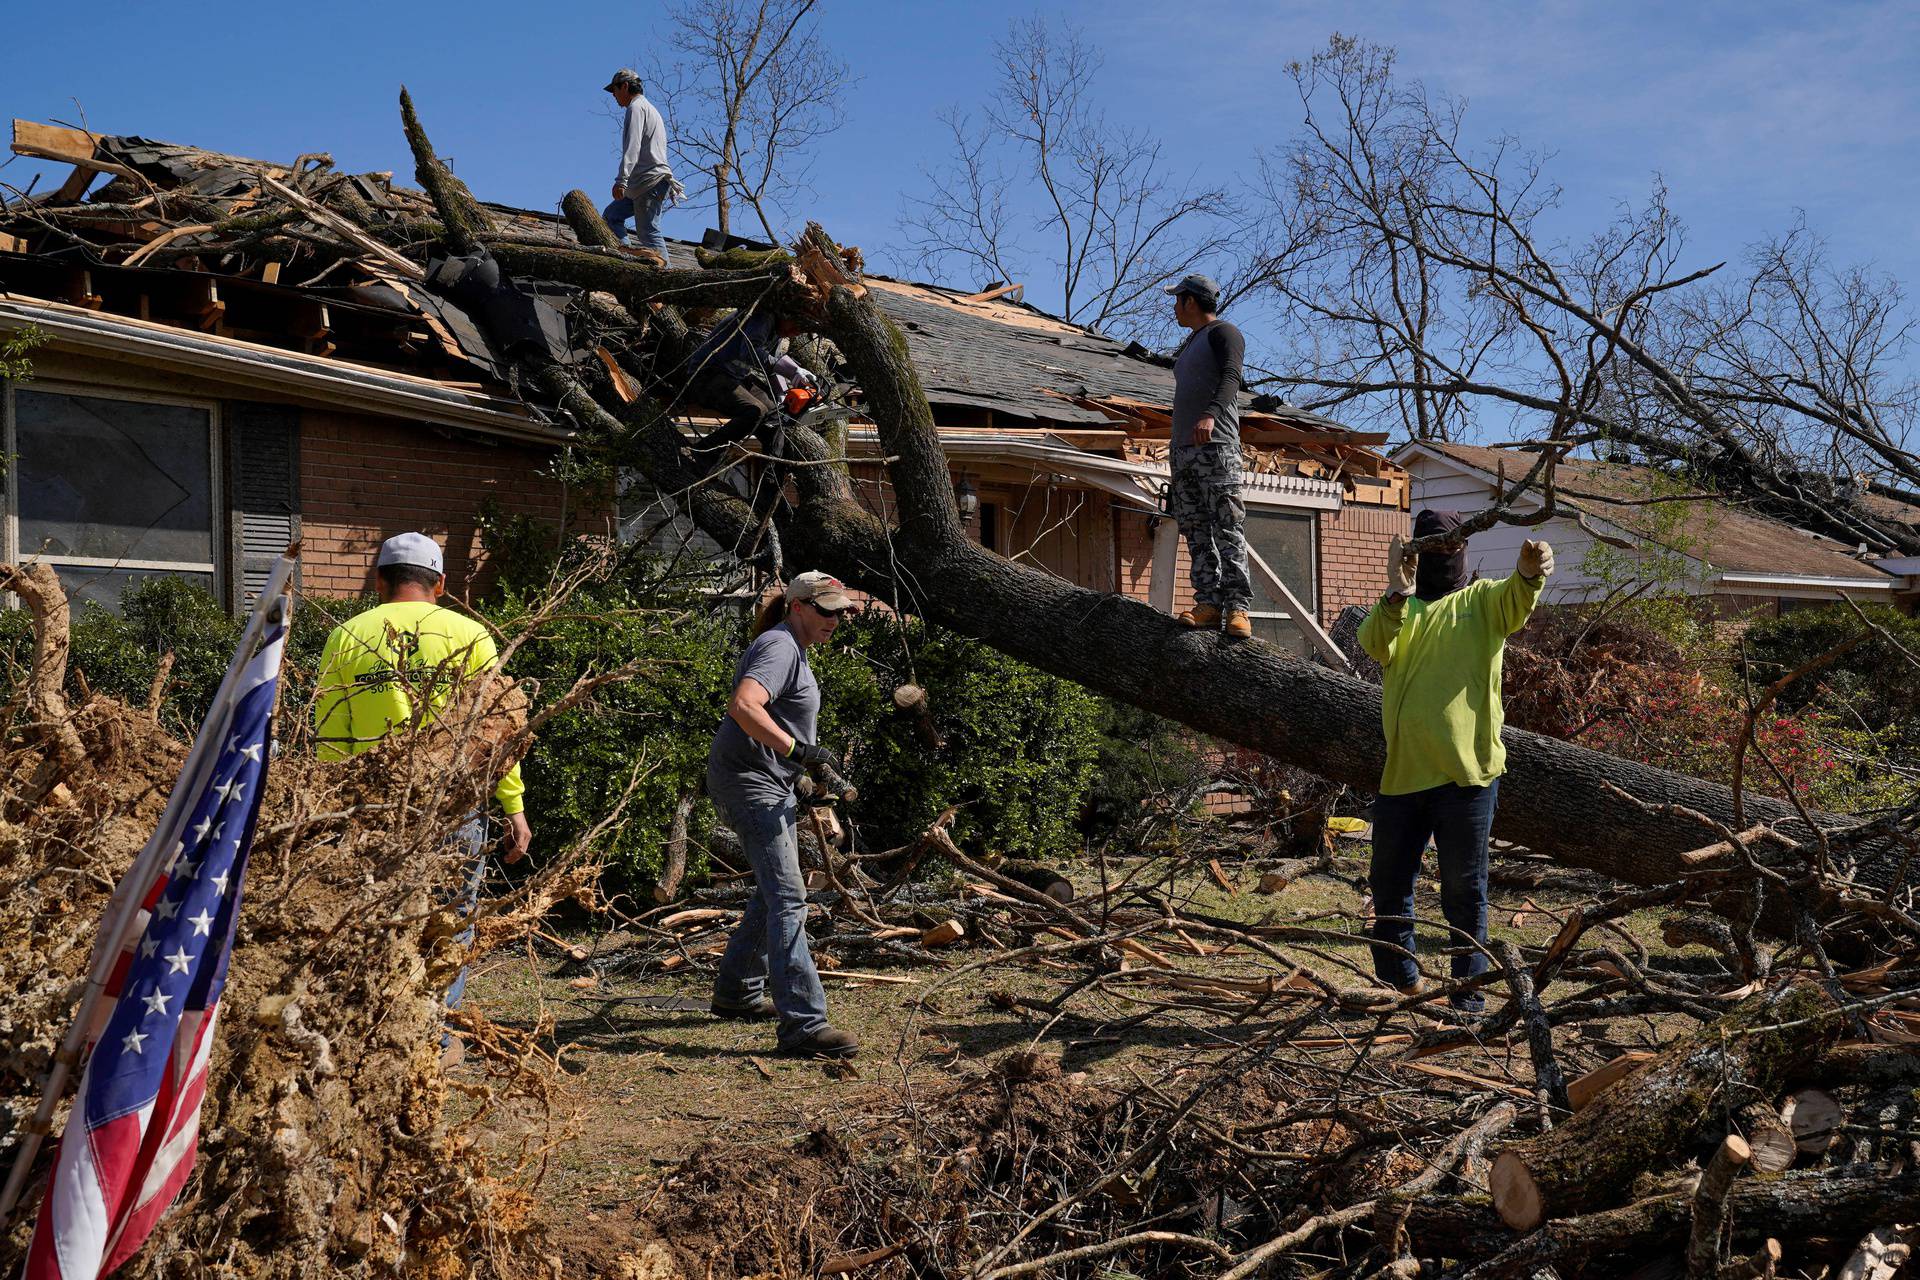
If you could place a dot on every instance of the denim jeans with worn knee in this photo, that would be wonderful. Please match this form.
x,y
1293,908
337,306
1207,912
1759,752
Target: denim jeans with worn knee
x,y
645,210
471,841
1458,819
767,955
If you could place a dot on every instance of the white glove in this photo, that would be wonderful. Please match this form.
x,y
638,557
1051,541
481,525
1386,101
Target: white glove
x,y
1400,567
675,192
1536,559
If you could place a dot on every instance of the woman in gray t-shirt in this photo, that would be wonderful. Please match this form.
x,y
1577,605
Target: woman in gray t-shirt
x,y
764,744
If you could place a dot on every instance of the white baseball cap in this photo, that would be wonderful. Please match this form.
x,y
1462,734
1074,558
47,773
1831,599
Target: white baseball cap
x,y
415,549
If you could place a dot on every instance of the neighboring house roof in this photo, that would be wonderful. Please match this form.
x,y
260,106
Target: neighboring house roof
x,y
1738,543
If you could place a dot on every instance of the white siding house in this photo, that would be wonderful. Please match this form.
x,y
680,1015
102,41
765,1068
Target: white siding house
x,y
1748,563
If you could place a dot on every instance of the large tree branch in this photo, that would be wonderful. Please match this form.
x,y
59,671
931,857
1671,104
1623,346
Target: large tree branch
x,y
1556,796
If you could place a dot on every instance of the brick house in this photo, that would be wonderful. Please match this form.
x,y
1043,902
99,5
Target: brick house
x,y
1057,438
192,418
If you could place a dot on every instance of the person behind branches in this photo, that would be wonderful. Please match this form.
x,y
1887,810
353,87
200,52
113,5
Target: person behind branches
x,y
1439,640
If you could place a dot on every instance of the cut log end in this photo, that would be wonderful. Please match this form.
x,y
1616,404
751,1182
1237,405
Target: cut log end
x,y
1516,1196
1813,1116
1772,1142
942,934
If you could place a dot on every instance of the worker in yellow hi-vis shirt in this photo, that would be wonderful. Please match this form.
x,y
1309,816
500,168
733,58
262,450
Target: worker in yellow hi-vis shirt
x,y
1439,640
376,663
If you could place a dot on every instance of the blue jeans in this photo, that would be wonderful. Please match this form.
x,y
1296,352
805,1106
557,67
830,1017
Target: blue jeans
x,y
644,209
767,954
1458,819
470,839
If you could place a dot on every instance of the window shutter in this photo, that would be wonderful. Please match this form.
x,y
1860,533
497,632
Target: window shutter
x,y
263,483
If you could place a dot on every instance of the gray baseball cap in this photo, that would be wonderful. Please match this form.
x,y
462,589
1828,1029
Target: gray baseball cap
x,y
625,76
413,549
1204,289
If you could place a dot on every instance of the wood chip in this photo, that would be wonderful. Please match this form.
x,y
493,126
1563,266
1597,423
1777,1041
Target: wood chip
x,y
1467,1077
846,1263
946,933
1220,876
1583,1090
698,915
886,979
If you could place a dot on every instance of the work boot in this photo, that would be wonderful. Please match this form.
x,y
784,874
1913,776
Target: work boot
x,y
1200,616
753,1011
1239,625
828,1042
651,257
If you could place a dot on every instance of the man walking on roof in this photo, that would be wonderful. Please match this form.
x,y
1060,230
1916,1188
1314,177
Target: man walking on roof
x,y
644,181
1205,494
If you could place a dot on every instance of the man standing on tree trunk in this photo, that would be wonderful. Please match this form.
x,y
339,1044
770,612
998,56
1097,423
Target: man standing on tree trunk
x,y
1205,459
643,181
1439,641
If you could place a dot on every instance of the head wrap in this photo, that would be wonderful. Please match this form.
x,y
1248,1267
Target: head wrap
x,y
1440,572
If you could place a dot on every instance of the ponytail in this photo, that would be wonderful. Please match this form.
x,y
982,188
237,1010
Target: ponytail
x,y
773,611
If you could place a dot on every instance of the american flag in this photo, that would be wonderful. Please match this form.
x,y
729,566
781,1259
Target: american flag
x,y
134,1128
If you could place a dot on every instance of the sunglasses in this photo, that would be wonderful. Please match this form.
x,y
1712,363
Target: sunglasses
x,y
828,613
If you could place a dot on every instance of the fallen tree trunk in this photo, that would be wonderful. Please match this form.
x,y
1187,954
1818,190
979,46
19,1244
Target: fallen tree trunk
x,y
1556,797
1795,1207
1591,1160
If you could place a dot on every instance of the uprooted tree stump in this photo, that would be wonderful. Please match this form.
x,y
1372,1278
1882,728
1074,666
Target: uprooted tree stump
x,y
325,1142
1590,1161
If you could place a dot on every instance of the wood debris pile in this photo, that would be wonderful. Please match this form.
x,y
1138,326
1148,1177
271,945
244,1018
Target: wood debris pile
x,y
326,1144
1736,1099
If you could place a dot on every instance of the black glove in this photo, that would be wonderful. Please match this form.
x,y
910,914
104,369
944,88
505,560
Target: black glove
x,y
810,754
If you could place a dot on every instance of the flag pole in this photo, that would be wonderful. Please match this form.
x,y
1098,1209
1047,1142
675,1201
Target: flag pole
x,y
123,907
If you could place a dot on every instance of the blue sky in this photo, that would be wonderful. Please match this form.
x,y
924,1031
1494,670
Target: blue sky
x,y
1750,111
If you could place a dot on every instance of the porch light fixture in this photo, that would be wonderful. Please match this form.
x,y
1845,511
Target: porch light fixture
x,y
967,498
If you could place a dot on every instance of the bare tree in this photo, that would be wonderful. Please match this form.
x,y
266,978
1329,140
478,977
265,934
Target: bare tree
x,y
1423,292
1117,225
753,86
920,559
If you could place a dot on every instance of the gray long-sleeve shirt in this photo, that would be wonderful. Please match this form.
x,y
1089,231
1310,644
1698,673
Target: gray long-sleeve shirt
x,y
1206,380
643,148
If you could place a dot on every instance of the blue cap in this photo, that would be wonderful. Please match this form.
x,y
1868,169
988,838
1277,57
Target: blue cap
x,y
411,548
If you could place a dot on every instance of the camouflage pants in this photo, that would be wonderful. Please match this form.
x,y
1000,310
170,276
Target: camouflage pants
x,y
1212,516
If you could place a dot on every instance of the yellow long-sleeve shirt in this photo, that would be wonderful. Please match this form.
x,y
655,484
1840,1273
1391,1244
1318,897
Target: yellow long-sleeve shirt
x,y
377,662
1440,706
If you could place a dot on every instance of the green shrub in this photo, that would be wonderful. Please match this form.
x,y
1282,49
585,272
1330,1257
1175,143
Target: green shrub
x,y
658,724
1021,745
1873,681
1142,757
118,653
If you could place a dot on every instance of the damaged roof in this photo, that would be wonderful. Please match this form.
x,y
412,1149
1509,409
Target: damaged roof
x,y
142,246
